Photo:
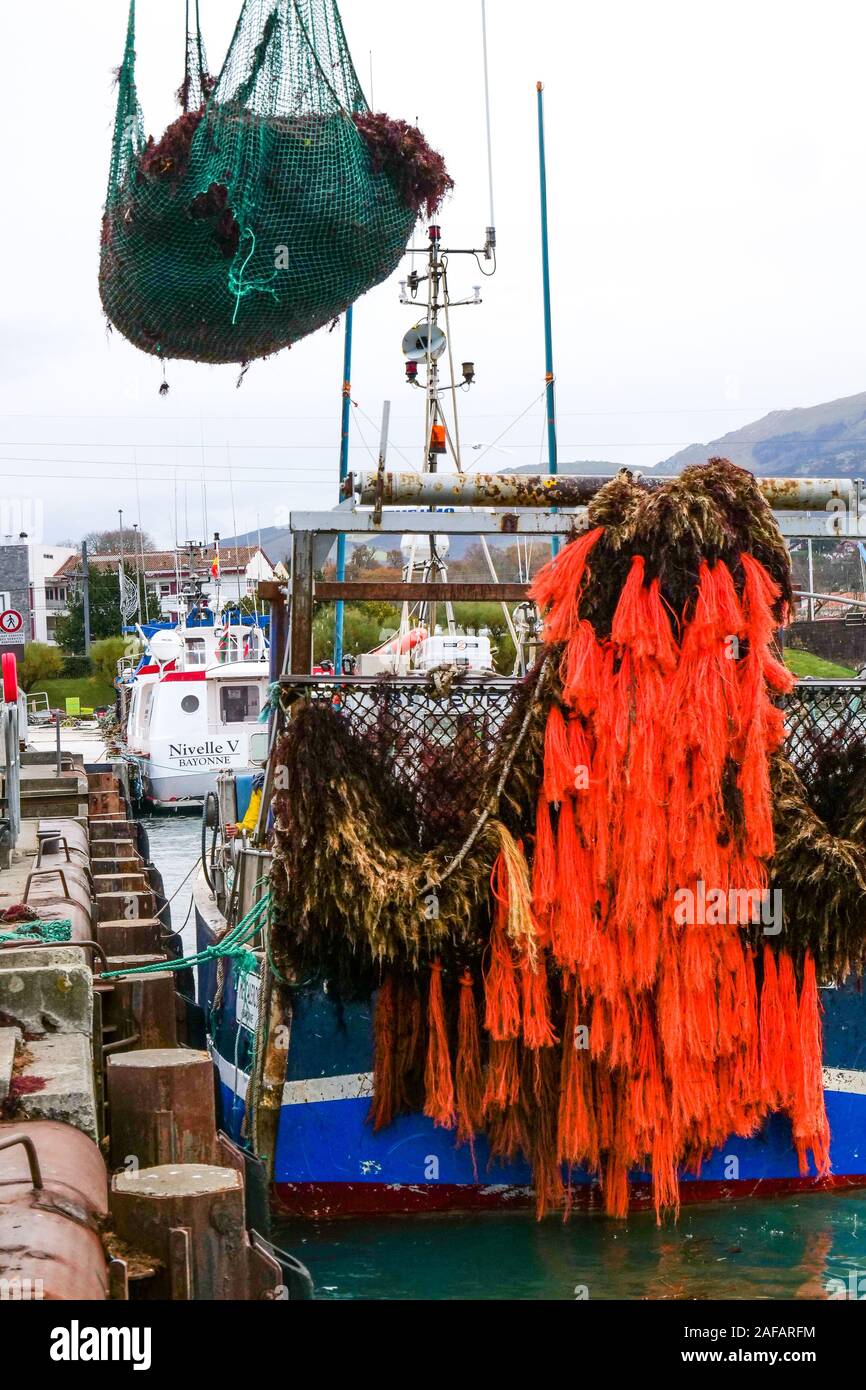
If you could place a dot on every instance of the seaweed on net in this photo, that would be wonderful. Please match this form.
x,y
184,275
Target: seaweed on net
x,y
693,1036
835,783
353,889
358,884
822,878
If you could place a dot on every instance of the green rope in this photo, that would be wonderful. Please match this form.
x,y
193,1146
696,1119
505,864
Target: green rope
x,y
247,962
272,702
39,931
274,971
234,945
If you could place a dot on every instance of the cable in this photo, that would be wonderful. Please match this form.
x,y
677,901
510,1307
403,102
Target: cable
x,y
523,413
391,444
446,299
170,900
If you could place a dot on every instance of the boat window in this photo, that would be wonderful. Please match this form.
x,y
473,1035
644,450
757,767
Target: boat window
x,y
196,651
229,647
239,704
189,704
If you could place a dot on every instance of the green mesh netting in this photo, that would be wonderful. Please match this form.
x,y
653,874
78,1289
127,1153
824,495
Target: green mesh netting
x,y
269,206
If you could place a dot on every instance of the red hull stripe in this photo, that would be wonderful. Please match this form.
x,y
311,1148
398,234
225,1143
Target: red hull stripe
x,y
171,674
327,1199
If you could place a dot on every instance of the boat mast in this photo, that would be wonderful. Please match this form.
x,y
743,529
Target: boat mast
x,y
552,456
344,471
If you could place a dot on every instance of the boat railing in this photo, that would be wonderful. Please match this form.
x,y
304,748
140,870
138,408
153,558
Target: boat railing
x,y
38,705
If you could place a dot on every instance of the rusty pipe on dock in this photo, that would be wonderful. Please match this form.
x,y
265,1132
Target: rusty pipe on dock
x,y
565,490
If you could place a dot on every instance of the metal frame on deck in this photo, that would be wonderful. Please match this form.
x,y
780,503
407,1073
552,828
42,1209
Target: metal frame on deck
x,y
469,502
405,717
313,535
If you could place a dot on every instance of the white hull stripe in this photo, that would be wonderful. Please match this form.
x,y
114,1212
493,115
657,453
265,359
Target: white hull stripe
x,y
838,1079
353,1087
358,1085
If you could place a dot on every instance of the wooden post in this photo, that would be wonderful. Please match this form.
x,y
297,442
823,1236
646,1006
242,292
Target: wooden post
x,y
301,639
279,631
270,1074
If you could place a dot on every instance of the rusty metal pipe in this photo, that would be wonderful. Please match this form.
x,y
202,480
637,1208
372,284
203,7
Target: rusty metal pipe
x,y
35,943
29,1147
108,1049
568,490
51,1213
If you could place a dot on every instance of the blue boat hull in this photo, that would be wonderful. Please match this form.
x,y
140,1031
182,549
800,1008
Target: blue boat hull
x,y
329,1161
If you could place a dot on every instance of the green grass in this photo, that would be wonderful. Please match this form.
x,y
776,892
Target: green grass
x,y
805,664
91,691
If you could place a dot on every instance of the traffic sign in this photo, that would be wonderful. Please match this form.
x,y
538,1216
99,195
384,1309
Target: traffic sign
x,y
11,626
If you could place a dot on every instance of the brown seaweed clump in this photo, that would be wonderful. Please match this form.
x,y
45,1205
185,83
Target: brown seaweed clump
x,y
710,512
822,878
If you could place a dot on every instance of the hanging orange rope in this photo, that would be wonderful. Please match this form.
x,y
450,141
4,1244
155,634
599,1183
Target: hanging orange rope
x,y
657,852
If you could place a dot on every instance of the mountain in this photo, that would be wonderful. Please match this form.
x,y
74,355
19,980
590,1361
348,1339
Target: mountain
x,y
276,541
583,468
826,440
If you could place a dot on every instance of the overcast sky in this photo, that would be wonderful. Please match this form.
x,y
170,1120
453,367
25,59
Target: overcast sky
x,y
706,186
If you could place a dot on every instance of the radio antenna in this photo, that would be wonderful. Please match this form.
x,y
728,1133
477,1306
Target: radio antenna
x,y
491,230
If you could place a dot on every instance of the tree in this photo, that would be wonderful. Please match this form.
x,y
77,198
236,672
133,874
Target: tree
x,y
105,620
39,663
362,558
363,626
109,542
478,617
106,653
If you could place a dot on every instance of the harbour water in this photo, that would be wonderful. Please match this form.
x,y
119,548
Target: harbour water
x,y
790,1248
794,1248
175,845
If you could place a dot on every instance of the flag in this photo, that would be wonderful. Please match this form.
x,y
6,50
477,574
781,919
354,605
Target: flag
x,y
215,562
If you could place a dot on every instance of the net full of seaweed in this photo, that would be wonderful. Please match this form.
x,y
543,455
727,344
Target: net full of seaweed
x,y
591,967
274,200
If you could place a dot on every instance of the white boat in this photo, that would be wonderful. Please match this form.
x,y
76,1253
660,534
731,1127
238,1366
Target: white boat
x,y
194,707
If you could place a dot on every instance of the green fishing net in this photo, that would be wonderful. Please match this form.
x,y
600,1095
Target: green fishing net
x,y
273,202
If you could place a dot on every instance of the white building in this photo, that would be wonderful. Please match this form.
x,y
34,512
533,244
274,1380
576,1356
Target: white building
x,y
165,572
49,591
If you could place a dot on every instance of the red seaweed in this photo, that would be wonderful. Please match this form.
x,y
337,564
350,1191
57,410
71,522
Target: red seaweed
x,y
417,170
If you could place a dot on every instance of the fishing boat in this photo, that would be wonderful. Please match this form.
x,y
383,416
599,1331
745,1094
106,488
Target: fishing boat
x,y
194,701
295,1058
327,1159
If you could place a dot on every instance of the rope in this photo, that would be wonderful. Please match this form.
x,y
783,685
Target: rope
x,y
168,902
446,302
510,426
39,931
234,945
493,802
